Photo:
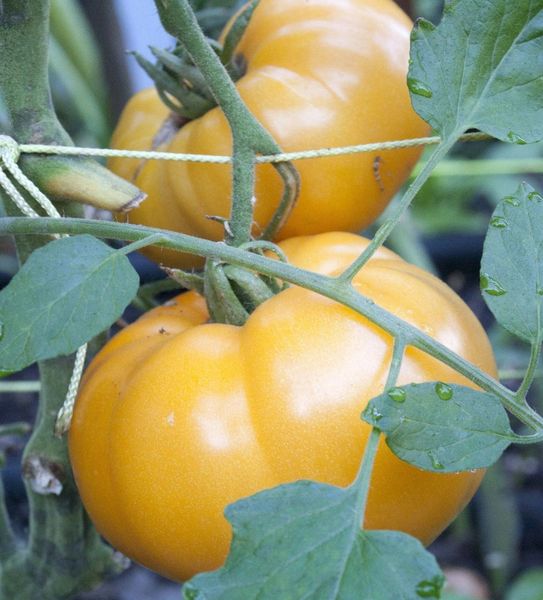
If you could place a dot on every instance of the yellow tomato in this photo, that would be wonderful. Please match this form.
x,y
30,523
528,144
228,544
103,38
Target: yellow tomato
x,y
319,74
178,417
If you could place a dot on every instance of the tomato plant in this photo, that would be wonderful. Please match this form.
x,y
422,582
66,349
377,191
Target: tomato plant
x,y
199,424
318,74
178,418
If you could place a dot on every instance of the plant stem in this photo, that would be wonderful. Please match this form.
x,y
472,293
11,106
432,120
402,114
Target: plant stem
x,y
388,226
19,386
17,428
334,288
362,482
535,353
485,167
24,89
249,137
8,544
63,554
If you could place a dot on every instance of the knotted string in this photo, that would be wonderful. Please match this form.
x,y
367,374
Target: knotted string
x,y
9,156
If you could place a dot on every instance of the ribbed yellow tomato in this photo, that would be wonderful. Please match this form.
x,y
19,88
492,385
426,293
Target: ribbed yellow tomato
x,y
319,74
177,417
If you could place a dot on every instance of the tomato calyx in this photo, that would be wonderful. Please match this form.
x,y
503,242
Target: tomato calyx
x,y
233,293
180,84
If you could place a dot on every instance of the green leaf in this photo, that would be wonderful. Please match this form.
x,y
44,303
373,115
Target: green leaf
x,y
440,427
237,30
303,540
66,293
512,263
481,68
529,586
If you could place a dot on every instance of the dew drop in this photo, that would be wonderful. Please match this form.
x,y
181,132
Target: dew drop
x,y
444,391
491,286
535,197
397,394
419,88
435,461
425,25
512,200
515,138
375,414
498,222
430,588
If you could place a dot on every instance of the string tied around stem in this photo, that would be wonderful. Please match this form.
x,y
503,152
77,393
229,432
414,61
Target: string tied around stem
x,y
10,152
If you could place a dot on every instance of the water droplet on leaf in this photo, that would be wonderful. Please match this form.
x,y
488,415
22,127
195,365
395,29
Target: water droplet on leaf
x,y
397,394
436,464
419,88
444,391
498,222
491,286
431,588
515,138
374,413
425,25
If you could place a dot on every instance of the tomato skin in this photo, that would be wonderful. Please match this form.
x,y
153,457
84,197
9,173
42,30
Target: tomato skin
x,y
177,418
319,74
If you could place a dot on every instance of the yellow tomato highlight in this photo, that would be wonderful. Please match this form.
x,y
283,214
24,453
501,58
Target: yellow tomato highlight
x,y
178,417
319,74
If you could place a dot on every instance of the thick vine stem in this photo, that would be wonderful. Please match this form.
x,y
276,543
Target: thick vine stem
x,y
334,288
27,100
388,226
249,137
63,553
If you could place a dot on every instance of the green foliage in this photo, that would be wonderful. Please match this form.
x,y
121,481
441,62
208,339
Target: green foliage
x,y
440,427
511,267
303,540
67,292
529,586
466,75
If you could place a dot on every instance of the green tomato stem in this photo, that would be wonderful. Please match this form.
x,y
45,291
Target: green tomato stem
x,y
388,226
335,288
62,554
484,167
535,353
249,137
361,484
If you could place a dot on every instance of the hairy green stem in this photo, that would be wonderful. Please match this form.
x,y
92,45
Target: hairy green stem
x,y
362,482
396,362
535,353
249,137
25,96
63,554
334,288
388,226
